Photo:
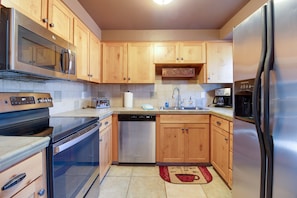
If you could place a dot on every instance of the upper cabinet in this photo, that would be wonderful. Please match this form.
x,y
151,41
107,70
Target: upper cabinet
x,y
128,63
179,53
219,67
88,53
51,14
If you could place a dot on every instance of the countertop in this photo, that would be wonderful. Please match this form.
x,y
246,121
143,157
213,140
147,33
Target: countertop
x,y
16,149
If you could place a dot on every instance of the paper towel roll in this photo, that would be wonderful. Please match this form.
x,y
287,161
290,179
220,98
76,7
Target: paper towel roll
x,y
128,99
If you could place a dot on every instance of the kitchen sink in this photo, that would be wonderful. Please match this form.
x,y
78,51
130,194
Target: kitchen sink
x,y
184,108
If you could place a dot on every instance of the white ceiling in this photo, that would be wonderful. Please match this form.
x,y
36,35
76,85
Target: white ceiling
x,y
146,15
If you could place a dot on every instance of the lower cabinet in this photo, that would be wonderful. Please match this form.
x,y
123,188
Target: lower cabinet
x,y
32,183
183,139
221,147
105,146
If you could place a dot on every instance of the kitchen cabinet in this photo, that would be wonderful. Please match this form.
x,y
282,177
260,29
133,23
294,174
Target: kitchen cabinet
x,y
230,156
88,53
219,63
32,185
183,139
51,14
179,53
220,147
128,63
105,145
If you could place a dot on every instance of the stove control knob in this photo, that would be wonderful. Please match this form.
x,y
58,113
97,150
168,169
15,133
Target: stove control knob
x,y
40,100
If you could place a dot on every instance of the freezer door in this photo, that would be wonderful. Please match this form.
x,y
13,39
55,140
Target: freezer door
x,y
246,160
283,99
247,46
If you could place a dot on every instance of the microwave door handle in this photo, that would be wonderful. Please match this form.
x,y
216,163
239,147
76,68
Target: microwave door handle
x,y
62,59
70,62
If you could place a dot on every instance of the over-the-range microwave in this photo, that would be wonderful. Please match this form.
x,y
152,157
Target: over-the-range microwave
x,y
30,50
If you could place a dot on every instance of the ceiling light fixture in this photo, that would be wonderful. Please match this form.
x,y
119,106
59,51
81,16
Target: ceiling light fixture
x,y
162,2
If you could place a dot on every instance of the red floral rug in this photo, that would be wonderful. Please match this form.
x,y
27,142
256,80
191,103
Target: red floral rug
x,y
185,174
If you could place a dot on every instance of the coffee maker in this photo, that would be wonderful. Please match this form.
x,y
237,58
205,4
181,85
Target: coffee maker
x,y
223,97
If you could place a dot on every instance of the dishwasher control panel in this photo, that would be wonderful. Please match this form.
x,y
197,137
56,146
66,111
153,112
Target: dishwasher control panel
x,y
136,117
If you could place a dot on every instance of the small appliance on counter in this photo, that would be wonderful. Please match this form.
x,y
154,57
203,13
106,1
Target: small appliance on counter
x,y
223,97
100,103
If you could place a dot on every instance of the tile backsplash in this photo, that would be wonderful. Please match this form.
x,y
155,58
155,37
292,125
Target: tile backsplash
x,y
68,95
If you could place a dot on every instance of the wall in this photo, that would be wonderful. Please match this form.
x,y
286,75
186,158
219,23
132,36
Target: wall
x,y
157,94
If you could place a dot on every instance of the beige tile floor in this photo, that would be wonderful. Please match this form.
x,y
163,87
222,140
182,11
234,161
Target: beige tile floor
x,y
145,182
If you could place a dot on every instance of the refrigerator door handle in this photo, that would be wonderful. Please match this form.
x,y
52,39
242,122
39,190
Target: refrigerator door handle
x,y
257,103
268,66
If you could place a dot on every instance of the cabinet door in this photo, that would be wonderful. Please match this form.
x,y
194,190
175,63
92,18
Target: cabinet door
x,y
95,59
105,151
219,63
171,143
192,52
167,52
114,62
197,143
60,20
81,41
141,68
34,9
220,151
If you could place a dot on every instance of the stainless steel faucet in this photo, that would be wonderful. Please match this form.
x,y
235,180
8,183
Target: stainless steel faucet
x,y
178,96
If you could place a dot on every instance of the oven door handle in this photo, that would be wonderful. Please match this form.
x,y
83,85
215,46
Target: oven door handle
x,y
74,141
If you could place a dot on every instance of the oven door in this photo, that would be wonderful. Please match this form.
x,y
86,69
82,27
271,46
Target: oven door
x,y
74,163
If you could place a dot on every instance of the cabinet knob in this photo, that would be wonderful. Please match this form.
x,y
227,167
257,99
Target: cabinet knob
x,y
181,58
177,59
218,123
129,78
41,192
183,130
124,78
226,139
100,140
52,25
45,20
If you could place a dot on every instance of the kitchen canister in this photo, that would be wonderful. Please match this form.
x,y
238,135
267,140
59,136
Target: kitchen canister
x,y
128,99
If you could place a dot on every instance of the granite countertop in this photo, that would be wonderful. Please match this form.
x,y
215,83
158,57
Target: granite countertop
x,y
226,113
15,149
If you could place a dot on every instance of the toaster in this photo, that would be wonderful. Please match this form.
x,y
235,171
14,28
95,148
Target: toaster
x,y
100,103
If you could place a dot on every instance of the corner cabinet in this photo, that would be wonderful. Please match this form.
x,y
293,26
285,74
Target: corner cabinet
x,y
179,53
219,63
34,182
221,147
51,14
105,145
88,61
183,139
128,63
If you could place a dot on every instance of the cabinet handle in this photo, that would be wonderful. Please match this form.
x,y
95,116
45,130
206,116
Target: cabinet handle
x,y
218,123
129,78
181,58
45,20
226,139
41,192
100,140
187,130
124,78
52,25
15,180
106,123
183,130
177,59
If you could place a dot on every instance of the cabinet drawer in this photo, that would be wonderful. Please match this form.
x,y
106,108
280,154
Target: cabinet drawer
x,y
32,167
221,123
105,123
176,119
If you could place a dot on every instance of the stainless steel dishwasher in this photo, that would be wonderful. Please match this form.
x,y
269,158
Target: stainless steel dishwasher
x,y
137,138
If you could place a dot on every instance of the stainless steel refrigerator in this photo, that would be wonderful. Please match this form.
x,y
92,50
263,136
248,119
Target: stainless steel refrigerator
x,y
265,103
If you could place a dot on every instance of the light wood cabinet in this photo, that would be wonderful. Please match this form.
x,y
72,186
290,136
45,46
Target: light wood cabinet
x,y
221,146
32,185
179,53
88,53
219,66
128,63
105,145
60,20
51,14
230,181
183,140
